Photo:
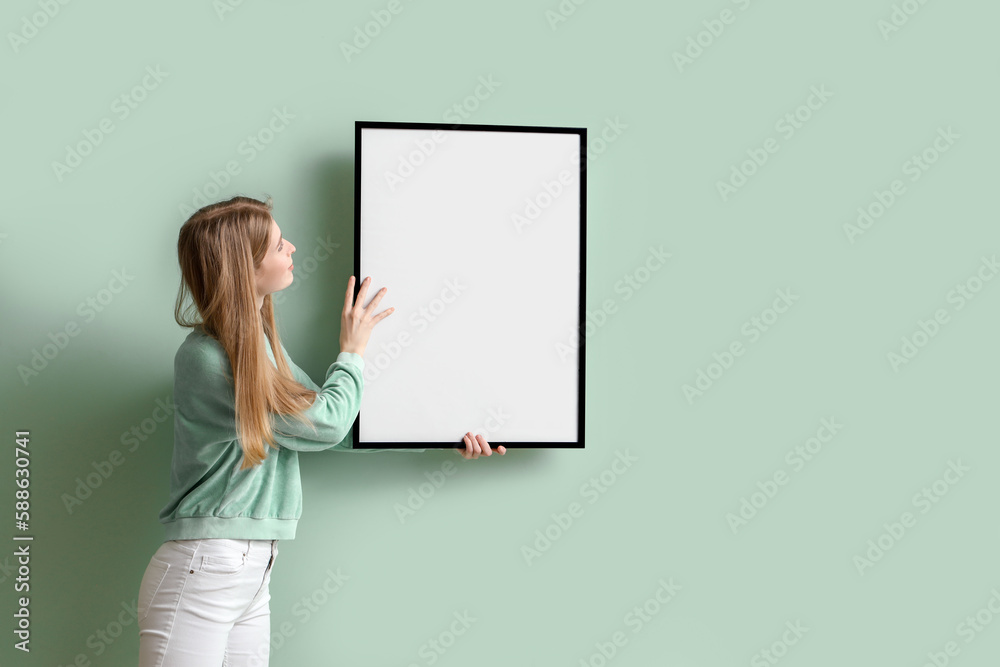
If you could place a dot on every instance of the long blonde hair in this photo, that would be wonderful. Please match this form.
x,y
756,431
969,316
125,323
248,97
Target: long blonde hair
x,y
219,248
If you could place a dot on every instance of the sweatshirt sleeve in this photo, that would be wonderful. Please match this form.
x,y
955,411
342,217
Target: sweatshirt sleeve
x,y
333,412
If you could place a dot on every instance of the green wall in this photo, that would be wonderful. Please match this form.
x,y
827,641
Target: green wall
x,y
847,368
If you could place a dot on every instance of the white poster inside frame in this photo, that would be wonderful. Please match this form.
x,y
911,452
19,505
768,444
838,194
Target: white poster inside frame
x,y
478,232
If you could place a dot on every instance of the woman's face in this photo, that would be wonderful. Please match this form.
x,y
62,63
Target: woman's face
x,y
275,270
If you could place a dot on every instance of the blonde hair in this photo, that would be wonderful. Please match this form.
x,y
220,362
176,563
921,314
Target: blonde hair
x,y
219,248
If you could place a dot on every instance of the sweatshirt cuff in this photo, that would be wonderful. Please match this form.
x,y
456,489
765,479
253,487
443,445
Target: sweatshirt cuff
x,y
352,358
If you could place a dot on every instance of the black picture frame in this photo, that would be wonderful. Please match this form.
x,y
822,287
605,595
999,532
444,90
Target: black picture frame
x,y
359,127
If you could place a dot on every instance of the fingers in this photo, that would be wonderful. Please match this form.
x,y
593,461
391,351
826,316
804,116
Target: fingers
x,y
378,297
486,446
370,308
472,449
476,445
362,292
349,297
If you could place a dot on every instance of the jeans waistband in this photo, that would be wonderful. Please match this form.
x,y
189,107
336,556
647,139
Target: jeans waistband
x,y
248,547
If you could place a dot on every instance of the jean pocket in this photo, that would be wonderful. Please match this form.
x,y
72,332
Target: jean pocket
x,y
190,547
156,571
222,564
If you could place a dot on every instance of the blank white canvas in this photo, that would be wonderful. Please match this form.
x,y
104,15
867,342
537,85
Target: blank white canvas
x,y
481,306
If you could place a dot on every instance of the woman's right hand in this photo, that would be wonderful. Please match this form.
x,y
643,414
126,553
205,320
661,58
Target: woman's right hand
x,y
356,323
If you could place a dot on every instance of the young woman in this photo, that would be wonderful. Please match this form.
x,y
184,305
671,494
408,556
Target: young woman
x,y
244,411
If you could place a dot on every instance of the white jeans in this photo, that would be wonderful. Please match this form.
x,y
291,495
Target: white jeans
x,y
206,603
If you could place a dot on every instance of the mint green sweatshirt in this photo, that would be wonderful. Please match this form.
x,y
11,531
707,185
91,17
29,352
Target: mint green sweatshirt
x,y
209,496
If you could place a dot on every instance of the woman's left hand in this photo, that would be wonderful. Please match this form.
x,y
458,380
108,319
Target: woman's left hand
x,y
476,445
